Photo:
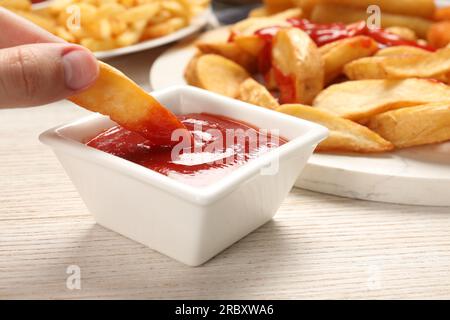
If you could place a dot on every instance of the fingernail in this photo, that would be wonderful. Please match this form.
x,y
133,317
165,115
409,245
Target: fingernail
x,y
80,69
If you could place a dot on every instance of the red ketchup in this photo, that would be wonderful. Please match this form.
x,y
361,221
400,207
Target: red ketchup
x,y
220,146
321,34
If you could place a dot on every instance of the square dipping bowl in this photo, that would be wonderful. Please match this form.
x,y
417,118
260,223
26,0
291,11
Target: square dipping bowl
x,y
189,224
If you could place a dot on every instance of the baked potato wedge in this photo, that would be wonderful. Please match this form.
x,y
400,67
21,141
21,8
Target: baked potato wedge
x,y
426,66
358,100
345,135
414,126
298,65
232,51
217,74
255,93
341,52
401,51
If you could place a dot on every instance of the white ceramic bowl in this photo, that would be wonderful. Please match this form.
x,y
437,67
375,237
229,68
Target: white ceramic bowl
x,y
189,224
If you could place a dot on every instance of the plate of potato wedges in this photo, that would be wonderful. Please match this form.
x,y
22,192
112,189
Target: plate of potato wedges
x,y
375,73
116,27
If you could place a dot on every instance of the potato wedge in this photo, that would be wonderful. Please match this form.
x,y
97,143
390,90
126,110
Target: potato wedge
x,y
255,93
345,135
217,74
344,51
402,32
250,25
366,68
275,6
439,35
420,8
115,95
435,65
357,100
401,50
298,65
431,66
232,51
327,13
414,126
190,73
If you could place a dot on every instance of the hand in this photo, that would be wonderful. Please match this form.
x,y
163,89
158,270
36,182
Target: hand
x,y
37,67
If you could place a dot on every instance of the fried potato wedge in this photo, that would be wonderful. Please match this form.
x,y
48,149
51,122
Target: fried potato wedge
x,y
232,51
401,50
439,36
366,68
299,68
190,73
414,126
402,32
255,93
421,8
250,25
217,74
275,6
434,66
344,51
357,100
115,95
345,135
427,66
328,13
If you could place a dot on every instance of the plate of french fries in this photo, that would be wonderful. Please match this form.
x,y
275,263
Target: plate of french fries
x,y
383,93
116,27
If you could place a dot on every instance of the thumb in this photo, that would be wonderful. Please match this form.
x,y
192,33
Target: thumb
x,y
37,74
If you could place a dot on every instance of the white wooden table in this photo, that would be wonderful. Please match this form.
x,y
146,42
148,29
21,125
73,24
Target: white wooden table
x,y
317,246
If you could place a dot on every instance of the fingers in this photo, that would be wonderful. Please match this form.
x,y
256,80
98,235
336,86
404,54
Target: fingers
x,y
16,31
37,74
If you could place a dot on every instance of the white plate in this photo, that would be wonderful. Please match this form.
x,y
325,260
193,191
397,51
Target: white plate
x,y
418,176
197,23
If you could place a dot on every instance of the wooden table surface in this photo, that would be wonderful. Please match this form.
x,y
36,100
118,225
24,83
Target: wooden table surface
x,y
317,246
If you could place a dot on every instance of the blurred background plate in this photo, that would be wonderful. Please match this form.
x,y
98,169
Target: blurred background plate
x,y
197,23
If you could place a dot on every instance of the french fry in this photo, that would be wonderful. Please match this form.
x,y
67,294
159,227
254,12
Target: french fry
x,y
109,24
420,8
298,65
345,135
164,28
253,92
217,74
38,20
358,100
23,5
345,51
414,126
324,13
126,103
142,12
232,51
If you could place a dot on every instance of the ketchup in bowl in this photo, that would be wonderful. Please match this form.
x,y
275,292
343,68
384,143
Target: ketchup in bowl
x,y
220,145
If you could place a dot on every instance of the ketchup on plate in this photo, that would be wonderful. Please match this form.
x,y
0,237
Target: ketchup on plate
x,y
321,34
220,145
